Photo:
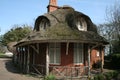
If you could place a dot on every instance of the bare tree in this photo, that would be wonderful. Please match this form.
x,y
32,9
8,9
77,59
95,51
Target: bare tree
x,y
111,29
113,17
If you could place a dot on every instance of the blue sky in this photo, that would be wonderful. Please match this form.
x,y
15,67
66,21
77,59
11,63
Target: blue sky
x,y
26,11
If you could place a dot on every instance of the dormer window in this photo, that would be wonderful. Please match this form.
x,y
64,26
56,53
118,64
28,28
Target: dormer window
x,y
42,24
81,24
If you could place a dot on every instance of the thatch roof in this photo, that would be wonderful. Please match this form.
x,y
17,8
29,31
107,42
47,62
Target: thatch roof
x,y
10,47
66,15
63,33
63,29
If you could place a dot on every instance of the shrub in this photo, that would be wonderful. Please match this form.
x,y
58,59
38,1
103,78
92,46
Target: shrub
x,y
99,77
115,61
50,77
106,76
115,74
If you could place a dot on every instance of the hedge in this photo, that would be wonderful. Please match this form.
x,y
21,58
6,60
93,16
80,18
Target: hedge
x,y
115,61
106,76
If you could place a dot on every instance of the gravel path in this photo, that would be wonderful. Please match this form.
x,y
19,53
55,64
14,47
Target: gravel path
x,y
9,72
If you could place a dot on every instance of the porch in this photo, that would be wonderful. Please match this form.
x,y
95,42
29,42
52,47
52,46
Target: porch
x,y
66,72
62,72
37,58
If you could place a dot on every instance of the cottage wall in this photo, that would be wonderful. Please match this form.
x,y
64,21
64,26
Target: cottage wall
x,y
67,66
66,58
94,58
37,60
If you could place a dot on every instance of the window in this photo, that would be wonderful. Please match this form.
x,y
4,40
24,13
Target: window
x,y
54,52
98,53
81,24
78,53
43,24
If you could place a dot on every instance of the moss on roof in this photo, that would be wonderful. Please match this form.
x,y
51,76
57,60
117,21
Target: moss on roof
x,y
63,32
62,29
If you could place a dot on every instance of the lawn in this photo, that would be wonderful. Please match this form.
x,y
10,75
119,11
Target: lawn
x,y
2,55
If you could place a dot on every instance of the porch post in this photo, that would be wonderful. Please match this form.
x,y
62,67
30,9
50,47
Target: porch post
x,y
89,52
47,60
18,58
33,58
102,58
21,58
24,60
28,58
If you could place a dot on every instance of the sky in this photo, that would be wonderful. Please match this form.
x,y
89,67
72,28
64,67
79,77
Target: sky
x,y
21,12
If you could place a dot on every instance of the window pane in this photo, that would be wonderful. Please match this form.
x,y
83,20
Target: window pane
x,y
51,58
57,53
75,55
78,53
51,53
54,51
58,58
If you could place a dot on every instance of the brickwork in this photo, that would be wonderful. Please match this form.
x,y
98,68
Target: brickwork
x,y
52,5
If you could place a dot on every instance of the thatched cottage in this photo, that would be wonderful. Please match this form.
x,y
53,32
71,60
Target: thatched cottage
x,y
64,42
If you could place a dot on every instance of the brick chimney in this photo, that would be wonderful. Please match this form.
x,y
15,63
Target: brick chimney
x,y
52,5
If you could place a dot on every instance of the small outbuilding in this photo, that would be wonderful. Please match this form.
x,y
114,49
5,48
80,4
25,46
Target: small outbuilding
x,y
64,42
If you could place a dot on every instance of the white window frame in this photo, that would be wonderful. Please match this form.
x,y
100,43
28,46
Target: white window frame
x,y
55,47
81,24
78,54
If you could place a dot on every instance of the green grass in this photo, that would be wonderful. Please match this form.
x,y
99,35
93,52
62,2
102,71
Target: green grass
x,y
50,77
2,55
